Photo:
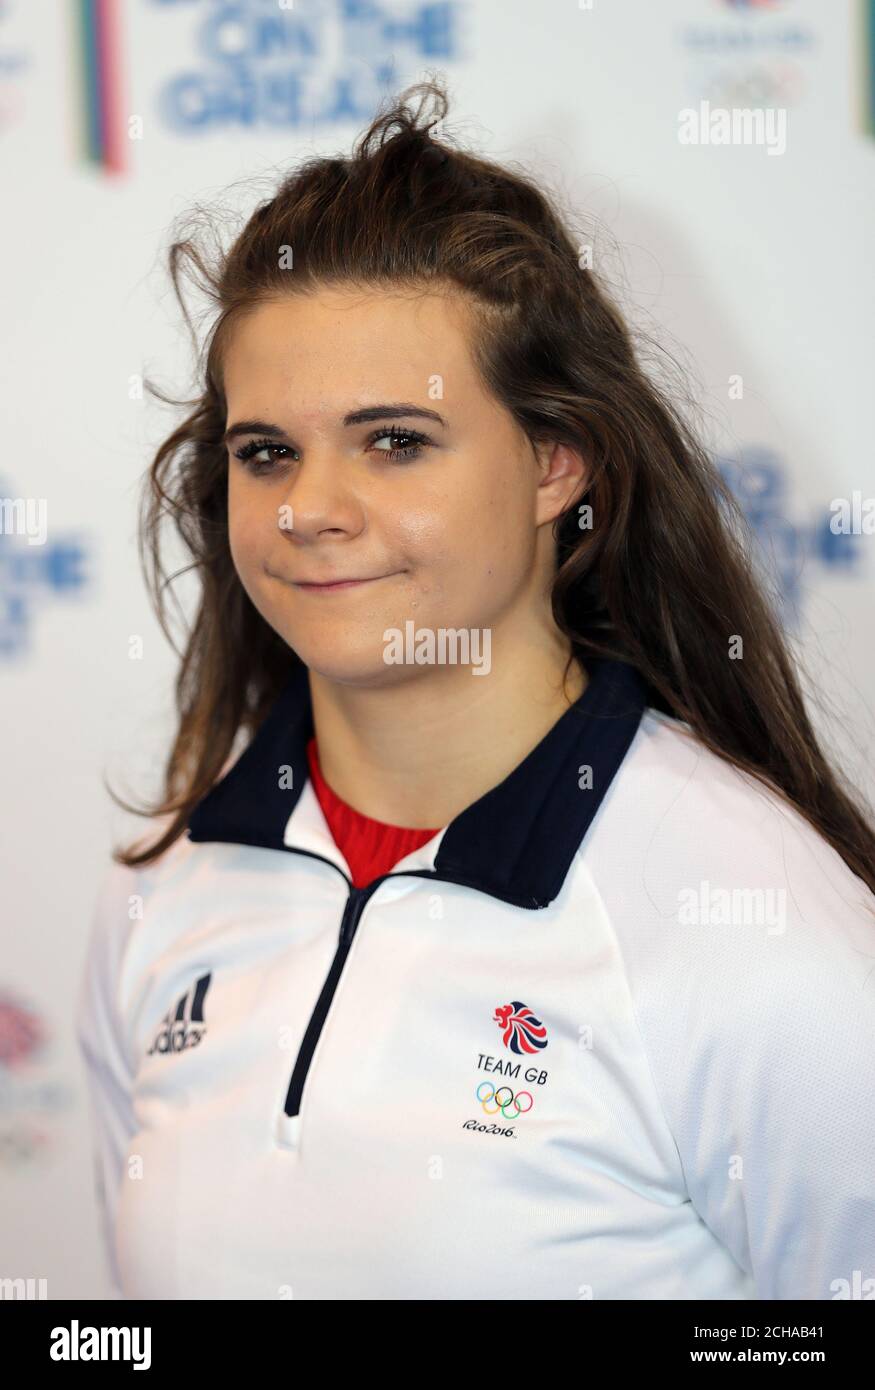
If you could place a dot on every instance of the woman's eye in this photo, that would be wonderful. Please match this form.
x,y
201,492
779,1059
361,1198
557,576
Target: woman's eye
x,y
404,451
257,455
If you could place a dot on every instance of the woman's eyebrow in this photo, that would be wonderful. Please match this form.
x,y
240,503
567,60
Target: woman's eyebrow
x,y
355,417
381,412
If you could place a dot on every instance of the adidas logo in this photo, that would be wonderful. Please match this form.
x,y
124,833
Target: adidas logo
x,y
184,1026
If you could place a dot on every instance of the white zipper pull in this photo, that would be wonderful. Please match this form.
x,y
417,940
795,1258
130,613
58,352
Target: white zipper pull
x,y
287,1130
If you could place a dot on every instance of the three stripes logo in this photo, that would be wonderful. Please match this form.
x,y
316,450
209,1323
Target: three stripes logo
x,y
183,1026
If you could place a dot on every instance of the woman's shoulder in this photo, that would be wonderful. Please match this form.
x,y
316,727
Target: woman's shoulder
x,y
119,879
123,890
700,853
729,810
130,923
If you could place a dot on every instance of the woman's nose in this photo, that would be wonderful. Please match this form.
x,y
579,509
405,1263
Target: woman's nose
x,y
319,498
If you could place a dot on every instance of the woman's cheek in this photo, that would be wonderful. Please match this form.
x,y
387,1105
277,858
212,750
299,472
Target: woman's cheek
x,y
248,533
239,549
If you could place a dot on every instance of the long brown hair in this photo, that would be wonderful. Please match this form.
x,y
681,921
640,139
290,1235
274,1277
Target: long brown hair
x,y
662,578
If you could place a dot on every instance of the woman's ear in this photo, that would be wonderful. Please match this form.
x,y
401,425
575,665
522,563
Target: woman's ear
x,y
564,478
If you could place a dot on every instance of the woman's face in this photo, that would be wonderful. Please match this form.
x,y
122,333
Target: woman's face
x,y
453,534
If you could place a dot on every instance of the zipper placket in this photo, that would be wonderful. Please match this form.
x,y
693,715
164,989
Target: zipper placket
x,y
352,912
355,904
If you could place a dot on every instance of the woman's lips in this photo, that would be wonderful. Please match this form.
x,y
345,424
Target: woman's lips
x,y
339,584
336,584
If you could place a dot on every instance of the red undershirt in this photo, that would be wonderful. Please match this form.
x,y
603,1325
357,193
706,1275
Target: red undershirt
x,y
370,847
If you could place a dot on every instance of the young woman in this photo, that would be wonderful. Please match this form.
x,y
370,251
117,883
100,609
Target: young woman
x,y
504,932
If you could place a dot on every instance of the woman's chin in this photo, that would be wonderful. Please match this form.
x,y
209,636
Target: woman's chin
x,y
350,663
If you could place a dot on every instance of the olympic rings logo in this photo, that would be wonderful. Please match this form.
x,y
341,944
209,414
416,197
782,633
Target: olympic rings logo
x,y
505,1100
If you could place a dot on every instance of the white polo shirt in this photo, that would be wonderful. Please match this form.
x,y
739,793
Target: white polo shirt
x,y
608,1034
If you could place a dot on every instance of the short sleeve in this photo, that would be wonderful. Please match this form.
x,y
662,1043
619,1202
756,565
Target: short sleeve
x,y
99,1038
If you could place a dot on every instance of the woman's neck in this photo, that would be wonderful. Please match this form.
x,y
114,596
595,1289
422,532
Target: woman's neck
x,y
418,751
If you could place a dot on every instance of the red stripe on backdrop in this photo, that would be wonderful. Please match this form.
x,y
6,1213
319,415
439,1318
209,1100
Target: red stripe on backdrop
x,y
109,63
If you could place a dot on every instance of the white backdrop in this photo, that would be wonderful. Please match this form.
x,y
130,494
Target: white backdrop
x,y
744,260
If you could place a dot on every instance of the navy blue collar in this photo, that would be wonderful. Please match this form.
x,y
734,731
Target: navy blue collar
x,y
516,842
